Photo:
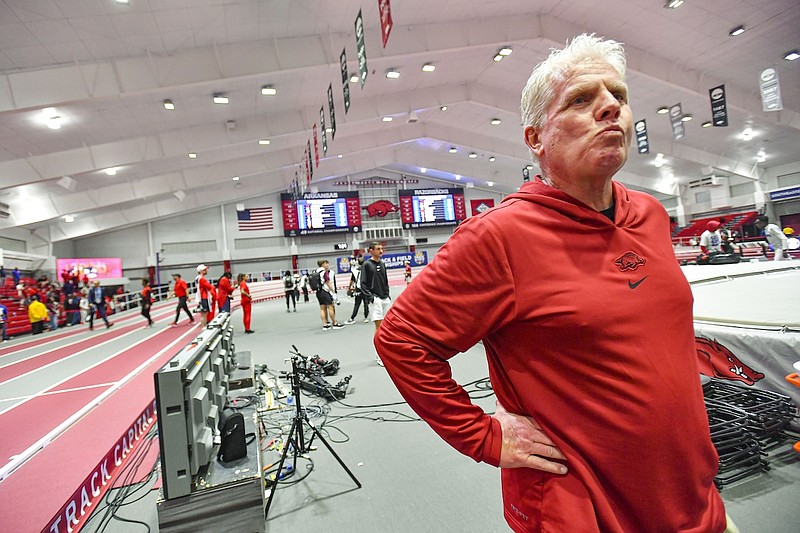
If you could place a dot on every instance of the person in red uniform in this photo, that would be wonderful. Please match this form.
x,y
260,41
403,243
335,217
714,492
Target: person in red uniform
x,y
247,301
224,291
180,290
208,295
147,301
586,321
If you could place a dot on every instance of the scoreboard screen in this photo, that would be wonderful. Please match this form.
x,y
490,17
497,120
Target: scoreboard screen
x,y
321,213
421,208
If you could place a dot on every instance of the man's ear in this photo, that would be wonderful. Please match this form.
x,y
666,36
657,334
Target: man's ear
x,y
533,140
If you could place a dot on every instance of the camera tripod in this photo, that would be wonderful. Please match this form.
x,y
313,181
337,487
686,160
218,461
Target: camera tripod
x,y
295,440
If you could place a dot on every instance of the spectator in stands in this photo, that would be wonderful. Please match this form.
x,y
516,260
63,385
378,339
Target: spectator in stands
x,y
37,314
2,276
224,291
97,305
776,238
72,308
375,286
22,294
326,296
711,239
84,306
728,243
355,289
591,348
146,296
247,301
180,290
3,321
289,288
207,295
16,274
54,309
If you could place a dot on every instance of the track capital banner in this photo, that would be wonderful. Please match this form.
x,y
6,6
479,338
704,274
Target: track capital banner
x,y
642,142
770,87
676,119
322,131
386,20
345,81
361,49
332,112
719,107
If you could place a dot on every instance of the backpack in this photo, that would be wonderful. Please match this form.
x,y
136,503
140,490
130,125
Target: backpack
x,y
288,282
315,281
234,444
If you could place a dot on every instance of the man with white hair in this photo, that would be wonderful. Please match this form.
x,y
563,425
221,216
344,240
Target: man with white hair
x,y
586,321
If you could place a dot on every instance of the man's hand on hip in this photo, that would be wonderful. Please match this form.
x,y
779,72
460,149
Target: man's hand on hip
x,y
525,445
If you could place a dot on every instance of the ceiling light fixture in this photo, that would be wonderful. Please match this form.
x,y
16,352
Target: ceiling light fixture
x,y
264,142
686,117
168,105
443,108
529,167
762,156
663,110
428,67
123,2
453,149
498,57
738,30
353,79
473,155
51,118
423,170
791,56
490,183
747,133
673,4
192,155
387,119
492,159
69,218
221,99
269,90
235,178
458,177
392,74
111,171
505,51
339,156
495,121
707,124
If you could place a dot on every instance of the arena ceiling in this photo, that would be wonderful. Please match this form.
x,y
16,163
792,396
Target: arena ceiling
x,y
107,68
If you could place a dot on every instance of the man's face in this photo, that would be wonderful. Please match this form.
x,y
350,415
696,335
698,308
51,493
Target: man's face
x,y
760,224
377,251
588,124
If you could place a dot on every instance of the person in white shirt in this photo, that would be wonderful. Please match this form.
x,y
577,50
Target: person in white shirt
x,y
711,240
776,237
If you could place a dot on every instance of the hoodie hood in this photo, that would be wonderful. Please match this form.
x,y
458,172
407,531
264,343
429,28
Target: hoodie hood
x,y
540,193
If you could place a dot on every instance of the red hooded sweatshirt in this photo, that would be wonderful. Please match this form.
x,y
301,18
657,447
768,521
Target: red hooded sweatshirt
x,y
587,327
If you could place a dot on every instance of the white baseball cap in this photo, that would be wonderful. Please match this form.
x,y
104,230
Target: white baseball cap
x,y
201,267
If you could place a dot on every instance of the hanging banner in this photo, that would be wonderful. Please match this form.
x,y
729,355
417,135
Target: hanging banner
x,y
479,206
361,49
306,167
332,113
386,19
310,166
676,119
526,174
719,107
345,80
770,90
324,133
642,142
316,145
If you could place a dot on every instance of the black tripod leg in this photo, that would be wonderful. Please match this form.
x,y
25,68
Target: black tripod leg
x,y
318,434
296,426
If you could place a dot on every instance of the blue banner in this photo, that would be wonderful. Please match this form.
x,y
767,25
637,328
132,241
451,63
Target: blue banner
x,y
390,260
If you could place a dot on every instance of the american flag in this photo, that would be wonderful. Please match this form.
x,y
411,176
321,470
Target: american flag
x,y
255,219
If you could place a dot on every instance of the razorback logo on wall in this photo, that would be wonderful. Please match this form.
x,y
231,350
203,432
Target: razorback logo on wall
x,y
381,208
717,361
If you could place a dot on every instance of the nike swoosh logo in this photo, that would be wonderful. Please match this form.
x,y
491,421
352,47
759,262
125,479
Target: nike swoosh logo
x,y
634,285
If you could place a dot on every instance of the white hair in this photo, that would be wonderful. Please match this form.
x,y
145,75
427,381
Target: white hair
x,y
537,94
